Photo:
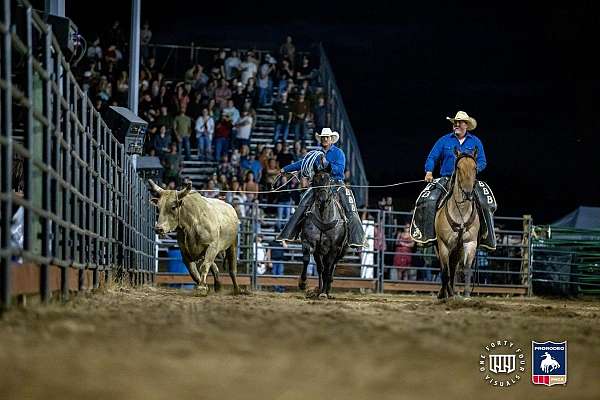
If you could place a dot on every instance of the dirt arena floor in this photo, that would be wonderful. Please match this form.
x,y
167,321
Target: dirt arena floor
x,y
168,344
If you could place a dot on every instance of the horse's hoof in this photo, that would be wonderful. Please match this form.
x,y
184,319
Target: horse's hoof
x,y
202,290
302,285
217,287
330,297
323,296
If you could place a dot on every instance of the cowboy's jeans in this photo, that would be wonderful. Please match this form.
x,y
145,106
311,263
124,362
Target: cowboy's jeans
x,y
291,230
356,235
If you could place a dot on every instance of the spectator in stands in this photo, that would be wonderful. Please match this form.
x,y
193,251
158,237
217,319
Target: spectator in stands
x,y
264,156
172,165
210,191
239,96
213,110
232,65
205,128
288,50
250,185
250,163
165,119
265,83
283,118
304,71
297,152
402,256
233,112
162,141
244,129
222,136
145,106
182,99
300,112
367,260
251,93
219,63
200,78
223,93
285,72
320,115
225,168
285,157
145,38
183,131
248,70
194,109
270,173
209,91
260,255
235,158
223,183
284,202
276,253
278,149
94,51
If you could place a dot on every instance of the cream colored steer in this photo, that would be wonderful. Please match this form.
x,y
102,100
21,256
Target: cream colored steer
x,y
205,227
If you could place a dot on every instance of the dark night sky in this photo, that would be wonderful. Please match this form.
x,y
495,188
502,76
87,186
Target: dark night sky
x,y
525,73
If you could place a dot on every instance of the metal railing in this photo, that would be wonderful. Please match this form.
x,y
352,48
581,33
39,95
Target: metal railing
x,y
565,261
385,265
83,210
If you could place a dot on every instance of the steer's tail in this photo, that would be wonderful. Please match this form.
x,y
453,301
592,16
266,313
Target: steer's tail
x,y
231,256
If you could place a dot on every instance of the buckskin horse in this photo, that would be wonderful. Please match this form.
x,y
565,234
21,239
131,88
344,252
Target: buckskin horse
x,y
457,225
324,232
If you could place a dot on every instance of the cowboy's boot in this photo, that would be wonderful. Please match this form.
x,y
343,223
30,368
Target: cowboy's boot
x,y
356,237
291,230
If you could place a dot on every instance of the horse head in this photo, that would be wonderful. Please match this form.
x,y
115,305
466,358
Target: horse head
x,y
466,172
321,182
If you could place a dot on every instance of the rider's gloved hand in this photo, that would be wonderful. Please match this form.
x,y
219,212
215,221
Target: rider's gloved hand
x,y
429,176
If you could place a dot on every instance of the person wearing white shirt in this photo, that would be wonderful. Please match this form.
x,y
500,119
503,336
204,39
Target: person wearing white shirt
x,y
205,127
244,129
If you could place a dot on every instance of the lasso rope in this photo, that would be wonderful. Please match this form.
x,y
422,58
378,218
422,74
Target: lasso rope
x,y
307,169
280,190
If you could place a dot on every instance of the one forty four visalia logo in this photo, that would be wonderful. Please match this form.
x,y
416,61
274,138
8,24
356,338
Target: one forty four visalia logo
x,y
502,363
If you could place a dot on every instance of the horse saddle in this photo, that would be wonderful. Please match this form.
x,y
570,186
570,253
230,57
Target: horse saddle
x,y
435,195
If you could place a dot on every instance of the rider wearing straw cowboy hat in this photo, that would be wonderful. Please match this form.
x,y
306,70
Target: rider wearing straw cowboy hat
x,y
335,157
443,153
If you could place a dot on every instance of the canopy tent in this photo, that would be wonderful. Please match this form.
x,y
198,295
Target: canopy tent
x,y
581,218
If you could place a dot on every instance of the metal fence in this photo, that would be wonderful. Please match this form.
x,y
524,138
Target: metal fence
x,y
389,263
78,212
565,261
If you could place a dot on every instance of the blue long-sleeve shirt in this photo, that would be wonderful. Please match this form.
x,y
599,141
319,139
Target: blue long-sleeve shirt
x,y
334,156
443,151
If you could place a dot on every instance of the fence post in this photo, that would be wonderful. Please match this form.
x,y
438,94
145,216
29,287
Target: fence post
x,y
253,241
526,253
380,264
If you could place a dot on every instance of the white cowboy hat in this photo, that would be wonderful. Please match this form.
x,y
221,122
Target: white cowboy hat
x,y
463,116
328,132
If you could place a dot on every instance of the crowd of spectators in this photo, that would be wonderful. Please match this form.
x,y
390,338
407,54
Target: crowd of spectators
x,y
209,113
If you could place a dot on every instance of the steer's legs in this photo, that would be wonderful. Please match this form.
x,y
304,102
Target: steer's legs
x,y
209,259
231,257
215,273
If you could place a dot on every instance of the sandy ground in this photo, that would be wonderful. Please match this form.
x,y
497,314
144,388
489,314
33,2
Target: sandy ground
x,y
167,344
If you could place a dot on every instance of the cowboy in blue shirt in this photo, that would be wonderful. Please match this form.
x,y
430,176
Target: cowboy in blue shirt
x,y
335,157
443,152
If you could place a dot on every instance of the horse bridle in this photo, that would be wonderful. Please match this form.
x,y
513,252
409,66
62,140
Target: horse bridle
x,y
470,197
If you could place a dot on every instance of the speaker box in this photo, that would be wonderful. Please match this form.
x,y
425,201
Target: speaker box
x,y
127,127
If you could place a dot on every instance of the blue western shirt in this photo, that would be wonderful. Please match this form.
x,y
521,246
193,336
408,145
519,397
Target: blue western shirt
x,y
334,156
443,152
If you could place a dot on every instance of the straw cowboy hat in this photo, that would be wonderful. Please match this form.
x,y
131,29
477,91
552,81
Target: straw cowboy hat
x,y
328,132
463,116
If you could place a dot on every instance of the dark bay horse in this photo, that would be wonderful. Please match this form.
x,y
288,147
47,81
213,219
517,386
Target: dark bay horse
x,y
324,233
457,225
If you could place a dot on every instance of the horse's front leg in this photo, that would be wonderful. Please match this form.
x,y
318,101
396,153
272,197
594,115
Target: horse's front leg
x,y
470,250
320,271
443,256
305,262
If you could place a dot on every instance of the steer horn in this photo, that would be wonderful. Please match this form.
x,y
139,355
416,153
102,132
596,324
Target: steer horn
x,y
155,187
182,193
